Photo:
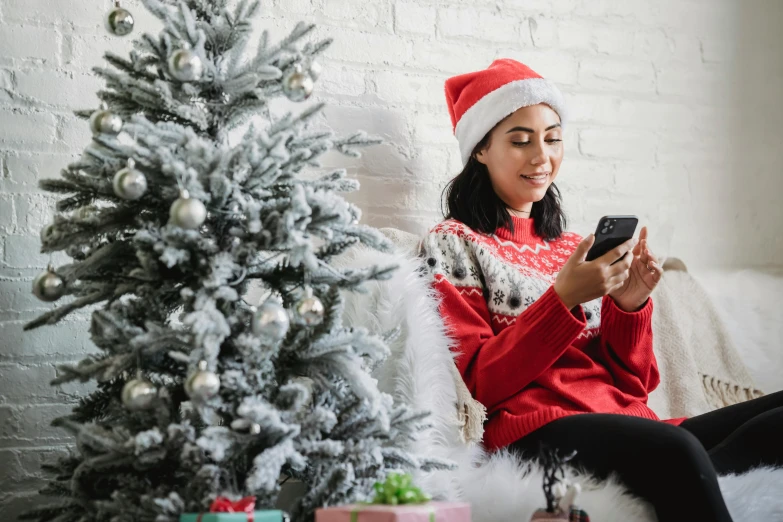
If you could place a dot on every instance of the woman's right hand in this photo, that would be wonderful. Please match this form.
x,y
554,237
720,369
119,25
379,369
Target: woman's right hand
x,y
580,281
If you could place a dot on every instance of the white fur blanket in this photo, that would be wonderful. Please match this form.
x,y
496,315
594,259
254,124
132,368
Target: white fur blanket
x,y
498,486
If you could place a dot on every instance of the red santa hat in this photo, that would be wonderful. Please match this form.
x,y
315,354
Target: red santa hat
x,y
479,100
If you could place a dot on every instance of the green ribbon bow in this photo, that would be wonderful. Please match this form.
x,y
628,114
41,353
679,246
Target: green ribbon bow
x,y
397,489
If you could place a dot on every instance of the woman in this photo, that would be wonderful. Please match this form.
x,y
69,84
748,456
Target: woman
x,y
557,348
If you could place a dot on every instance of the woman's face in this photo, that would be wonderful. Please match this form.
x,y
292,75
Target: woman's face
x,y
524,155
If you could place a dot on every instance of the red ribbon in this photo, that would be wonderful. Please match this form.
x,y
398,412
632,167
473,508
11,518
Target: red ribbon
x,y
245,505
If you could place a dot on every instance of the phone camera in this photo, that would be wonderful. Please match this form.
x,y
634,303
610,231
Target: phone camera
x,y
605,230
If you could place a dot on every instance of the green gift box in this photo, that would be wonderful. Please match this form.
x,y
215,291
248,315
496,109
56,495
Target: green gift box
x,y
242,510
257,516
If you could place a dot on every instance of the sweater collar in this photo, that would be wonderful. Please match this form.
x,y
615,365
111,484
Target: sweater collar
x,y
524,231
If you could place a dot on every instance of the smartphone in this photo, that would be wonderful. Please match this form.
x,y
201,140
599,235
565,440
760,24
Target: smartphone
x,y
611,232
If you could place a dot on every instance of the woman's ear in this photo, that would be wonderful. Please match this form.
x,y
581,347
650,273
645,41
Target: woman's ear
x,y
480,157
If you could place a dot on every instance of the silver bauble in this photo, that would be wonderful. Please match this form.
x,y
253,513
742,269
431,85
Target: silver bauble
x,y
187,212
298,85
48,286
185,65
315,70
202,384
119,21
310,310
138,394
271,320
105,122
129,183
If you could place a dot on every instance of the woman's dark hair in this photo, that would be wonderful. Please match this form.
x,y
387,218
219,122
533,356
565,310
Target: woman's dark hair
x,y
470,198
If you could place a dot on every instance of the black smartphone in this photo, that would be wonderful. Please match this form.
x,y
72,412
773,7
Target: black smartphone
x,y
611,232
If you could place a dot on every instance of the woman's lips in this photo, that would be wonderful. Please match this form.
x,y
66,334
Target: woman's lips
x,y
536,179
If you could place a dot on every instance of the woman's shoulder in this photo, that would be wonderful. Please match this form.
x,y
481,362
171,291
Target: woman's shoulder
x,y
452,227
452,238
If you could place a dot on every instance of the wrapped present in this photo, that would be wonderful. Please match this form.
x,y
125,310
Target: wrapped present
x,y
397,500
243,510
427,512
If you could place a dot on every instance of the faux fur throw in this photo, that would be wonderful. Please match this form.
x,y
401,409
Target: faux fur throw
x,y
471,414
701,369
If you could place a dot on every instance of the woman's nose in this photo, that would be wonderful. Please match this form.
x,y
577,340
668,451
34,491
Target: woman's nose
x,y
539,155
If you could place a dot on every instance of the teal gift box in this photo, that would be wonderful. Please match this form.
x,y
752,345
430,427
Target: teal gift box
x,y
257,516
242,510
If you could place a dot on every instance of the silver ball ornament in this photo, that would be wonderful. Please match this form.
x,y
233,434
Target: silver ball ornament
x,y
119,21
310,310
298,85
48,286
104,121
187,212
129,183
271,320
185,65
202,384
138,394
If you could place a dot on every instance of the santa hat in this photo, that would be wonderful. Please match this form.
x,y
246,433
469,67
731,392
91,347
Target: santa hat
x,y
479,100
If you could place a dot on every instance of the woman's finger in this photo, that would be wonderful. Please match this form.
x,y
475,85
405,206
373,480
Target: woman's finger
x,y
656,272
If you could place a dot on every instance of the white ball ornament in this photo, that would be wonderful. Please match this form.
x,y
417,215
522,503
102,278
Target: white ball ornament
x,y
187,212
119,21
103,121
48,286
129,183
202,384
138,394
310,310
271,320
298,85
185,65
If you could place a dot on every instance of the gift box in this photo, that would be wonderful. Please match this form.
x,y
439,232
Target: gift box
x,y
225,510
256,516
427,512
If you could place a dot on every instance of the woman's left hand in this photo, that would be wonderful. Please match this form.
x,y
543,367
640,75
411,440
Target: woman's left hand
x,y
643,276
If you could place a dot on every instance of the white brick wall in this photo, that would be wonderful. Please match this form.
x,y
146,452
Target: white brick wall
x,y
676,118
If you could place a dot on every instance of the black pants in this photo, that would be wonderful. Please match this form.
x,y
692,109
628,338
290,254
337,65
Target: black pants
x,y
675,468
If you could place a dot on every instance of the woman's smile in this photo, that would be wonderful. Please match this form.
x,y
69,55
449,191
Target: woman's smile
x,y
537,179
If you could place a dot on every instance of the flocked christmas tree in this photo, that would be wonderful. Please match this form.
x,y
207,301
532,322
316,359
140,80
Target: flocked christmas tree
x,y
168,222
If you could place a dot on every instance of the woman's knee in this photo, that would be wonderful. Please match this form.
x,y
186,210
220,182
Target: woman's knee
x,y
685,453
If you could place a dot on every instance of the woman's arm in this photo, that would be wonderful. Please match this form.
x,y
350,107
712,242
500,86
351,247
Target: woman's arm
x,y
626,347
495,367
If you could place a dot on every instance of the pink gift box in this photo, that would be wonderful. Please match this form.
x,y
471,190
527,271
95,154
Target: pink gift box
x,y
443,512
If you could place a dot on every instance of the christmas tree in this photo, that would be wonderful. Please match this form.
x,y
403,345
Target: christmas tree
x,y
169,221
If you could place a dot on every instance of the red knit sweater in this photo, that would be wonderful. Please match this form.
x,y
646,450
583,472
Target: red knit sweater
x,y
522,353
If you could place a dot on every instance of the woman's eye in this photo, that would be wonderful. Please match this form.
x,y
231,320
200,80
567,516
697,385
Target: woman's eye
x,y
553,141
520,143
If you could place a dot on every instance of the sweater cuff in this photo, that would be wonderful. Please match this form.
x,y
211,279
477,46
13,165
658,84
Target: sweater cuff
x,y
558,326
623,328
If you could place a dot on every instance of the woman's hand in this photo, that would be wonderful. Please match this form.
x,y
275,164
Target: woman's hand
x,y
643,276
580,281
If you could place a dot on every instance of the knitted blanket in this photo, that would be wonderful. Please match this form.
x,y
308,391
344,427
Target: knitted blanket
x,y
700,367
